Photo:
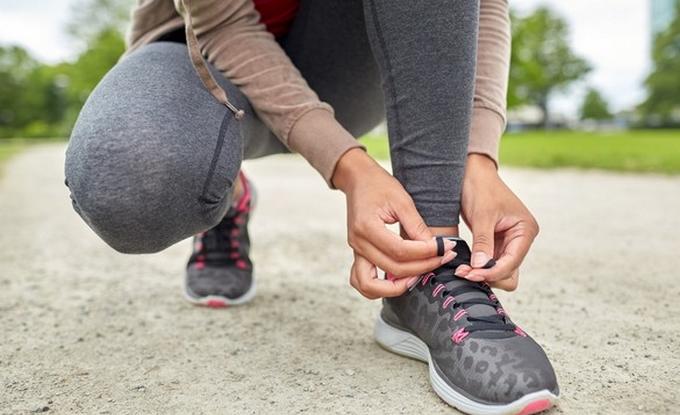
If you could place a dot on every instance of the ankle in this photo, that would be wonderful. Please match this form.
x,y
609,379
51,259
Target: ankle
x,y
435,231
444,230
238,191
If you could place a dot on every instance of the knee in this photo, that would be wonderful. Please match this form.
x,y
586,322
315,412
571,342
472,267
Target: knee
x,y
143,193
138,205
152,157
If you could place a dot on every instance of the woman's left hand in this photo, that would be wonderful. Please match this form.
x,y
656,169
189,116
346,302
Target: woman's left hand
x,y
502,227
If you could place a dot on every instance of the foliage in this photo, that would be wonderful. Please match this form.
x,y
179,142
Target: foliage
x,y
90,18
662,106
38,100
634,151
84,74
594,106
541,61
31,96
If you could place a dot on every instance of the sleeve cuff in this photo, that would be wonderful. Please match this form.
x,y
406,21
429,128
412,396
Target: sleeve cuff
x,y
485,133
321,140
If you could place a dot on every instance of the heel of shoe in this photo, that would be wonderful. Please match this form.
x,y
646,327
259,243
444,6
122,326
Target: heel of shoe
x,y
399,341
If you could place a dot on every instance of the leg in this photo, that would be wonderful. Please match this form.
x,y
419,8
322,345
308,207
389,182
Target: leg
x,y
479,360
427,52
344,74
153,157
329,45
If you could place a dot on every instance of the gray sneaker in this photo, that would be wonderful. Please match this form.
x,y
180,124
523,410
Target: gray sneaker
x,y
220,272
479,361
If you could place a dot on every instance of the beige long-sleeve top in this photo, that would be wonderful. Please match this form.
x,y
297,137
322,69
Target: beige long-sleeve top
x,y
229,35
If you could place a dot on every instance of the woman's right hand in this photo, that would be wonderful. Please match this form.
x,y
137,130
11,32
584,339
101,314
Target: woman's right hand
x,y
374,199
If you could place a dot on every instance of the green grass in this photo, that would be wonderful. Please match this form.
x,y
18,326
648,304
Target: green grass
x,y
631,151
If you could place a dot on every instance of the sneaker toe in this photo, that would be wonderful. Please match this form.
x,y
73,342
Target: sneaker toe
x,y
498,371
225,282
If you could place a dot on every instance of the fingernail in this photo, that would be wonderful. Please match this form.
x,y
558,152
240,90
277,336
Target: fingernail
x,y
448,256
412,281
449,244
479,259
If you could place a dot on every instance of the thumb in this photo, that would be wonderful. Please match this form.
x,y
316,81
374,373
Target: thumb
x,y
482,242
413,224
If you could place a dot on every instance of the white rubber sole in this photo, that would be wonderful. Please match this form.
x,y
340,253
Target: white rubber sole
x,y
406,344
217,301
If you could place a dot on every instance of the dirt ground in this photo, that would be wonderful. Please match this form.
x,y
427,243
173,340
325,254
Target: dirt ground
x,y
87,330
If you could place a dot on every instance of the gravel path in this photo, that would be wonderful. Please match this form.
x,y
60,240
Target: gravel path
x,y
87,330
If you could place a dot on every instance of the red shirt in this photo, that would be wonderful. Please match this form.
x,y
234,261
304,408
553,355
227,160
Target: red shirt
x,y
277,15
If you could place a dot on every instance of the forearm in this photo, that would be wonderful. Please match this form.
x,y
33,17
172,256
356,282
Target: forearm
x,y
320,138
231,37
491,79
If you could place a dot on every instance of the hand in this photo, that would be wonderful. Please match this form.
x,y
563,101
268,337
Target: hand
x,y
375,198
502,227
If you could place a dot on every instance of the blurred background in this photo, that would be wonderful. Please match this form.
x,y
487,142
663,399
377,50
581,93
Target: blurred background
x,y
592,84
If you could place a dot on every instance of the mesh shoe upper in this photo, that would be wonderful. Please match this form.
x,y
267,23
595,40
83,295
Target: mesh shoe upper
x,y
220,264
474,345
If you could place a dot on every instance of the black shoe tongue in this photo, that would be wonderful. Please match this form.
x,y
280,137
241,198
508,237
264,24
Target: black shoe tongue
x,y
463,258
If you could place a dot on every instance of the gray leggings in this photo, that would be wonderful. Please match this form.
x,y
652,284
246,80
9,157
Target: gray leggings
x,y
153,157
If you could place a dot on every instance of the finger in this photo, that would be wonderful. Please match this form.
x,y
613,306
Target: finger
x,y
394,246
368,284
462,270
510,260
482,240
508,284
411,221
402,269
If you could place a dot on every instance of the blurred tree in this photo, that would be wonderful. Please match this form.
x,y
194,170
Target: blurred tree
x,y
31,96
662,106
15,66
541,61
90,18
84,74
98,25
594,106
38,100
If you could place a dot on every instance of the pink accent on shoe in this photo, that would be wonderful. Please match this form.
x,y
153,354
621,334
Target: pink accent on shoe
x,y
520,332
536,407
234,244
427,277
493,297
459,335
241,264
500,311
459,314
216,303
234,232
242,205
200,262
448,301
234,255
438,289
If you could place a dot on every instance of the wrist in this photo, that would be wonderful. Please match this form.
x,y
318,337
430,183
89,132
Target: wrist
x,y
480,164
351,166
